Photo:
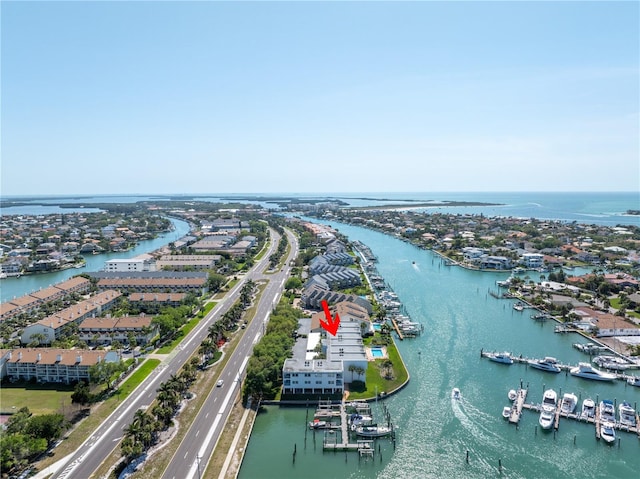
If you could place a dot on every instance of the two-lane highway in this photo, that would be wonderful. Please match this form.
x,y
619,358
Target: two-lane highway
x,y
93,452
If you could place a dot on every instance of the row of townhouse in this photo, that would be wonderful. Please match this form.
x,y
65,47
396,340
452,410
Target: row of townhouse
x,y
153,281
330,262
320,361
313,296
51,365
145,263
50,328
32,302
104,331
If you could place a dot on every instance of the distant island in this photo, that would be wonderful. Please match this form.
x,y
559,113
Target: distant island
x,y
633,212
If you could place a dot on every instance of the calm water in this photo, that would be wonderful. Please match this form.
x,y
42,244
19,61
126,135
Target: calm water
x,y
15,287
435,432
599,208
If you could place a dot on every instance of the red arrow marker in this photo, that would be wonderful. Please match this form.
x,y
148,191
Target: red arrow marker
x,y
331,325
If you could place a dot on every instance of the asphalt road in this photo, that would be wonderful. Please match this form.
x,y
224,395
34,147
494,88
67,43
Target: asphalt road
x,y
197,446
93,452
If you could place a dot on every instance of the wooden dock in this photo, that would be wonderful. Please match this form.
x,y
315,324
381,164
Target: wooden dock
x,y
364,447
518,403
397,328
515,417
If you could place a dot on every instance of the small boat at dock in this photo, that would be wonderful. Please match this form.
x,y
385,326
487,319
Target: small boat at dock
x,y
512,395
627,414
633,381
548,364
568,404
506,412
504,358
607,432
373,430
586,371
589,348
588,409
518,306
611,362
548,409
317,424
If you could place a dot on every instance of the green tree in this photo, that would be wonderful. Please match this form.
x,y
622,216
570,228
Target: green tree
x,y
293,283
103,371
81,393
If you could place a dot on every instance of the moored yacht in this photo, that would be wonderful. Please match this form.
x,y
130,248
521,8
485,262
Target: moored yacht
x,y
627,414
588,409
373,430
504,358
633,381
547,364
607,432
611,362
607,411
548,409
586,371
568,404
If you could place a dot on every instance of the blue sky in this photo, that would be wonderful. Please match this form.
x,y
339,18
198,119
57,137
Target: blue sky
x,y
235,97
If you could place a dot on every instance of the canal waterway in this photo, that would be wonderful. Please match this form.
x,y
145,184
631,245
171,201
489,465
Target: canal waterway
x,y
435,433
15,287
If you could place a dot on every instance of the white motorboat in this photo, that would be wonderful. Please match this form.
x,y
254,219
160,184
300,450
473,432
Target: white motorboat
x,y
547,364
568,404
611,362
607,432
518,306
586,371
633,381
506,412
627,414
588,409
504,358
607,411
512,395
358,419
548,409
317,424
550,398
373,430
455,394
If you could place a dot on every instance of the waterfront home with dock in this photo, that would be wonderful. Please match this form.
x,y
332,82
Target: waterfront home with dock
x,y
320,361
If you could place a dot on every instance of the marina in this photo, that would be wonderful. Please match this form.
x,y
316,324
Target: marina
x,y
550,364
460,319
567,409
350,426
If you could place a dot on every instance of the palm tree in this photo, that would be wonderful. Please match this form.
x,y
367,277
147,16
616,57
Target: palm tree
x,y
351,369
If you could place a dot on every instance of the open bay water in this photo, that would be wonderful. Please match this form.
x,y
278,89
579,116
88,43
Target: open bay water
x,y
434,432
14,287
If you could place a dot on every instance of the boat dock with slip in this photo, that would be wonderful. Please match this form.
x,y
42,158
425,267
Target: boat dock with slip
x,y
519,403
340,427
567,368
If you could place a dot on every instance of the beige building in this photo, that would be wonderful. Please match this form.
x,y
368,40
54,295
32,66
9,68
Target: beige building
x,y
52,365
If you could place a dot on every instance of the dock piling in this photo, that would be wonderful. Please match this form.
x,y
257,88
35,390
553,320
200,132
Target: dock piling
x,y
467,459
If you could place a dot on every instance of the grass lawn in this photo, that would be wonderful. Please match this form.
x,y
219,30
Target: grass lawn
x,y
39,398
137,377
180,335
374,380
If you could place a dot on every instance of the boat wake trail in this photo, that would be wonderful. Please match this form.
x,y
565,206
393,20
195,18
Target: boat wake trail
x,y
475,421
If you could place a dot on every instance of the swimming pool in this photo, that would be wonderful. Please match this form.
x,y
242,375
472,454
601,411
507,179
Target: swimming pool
x,y
377,326
377,353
